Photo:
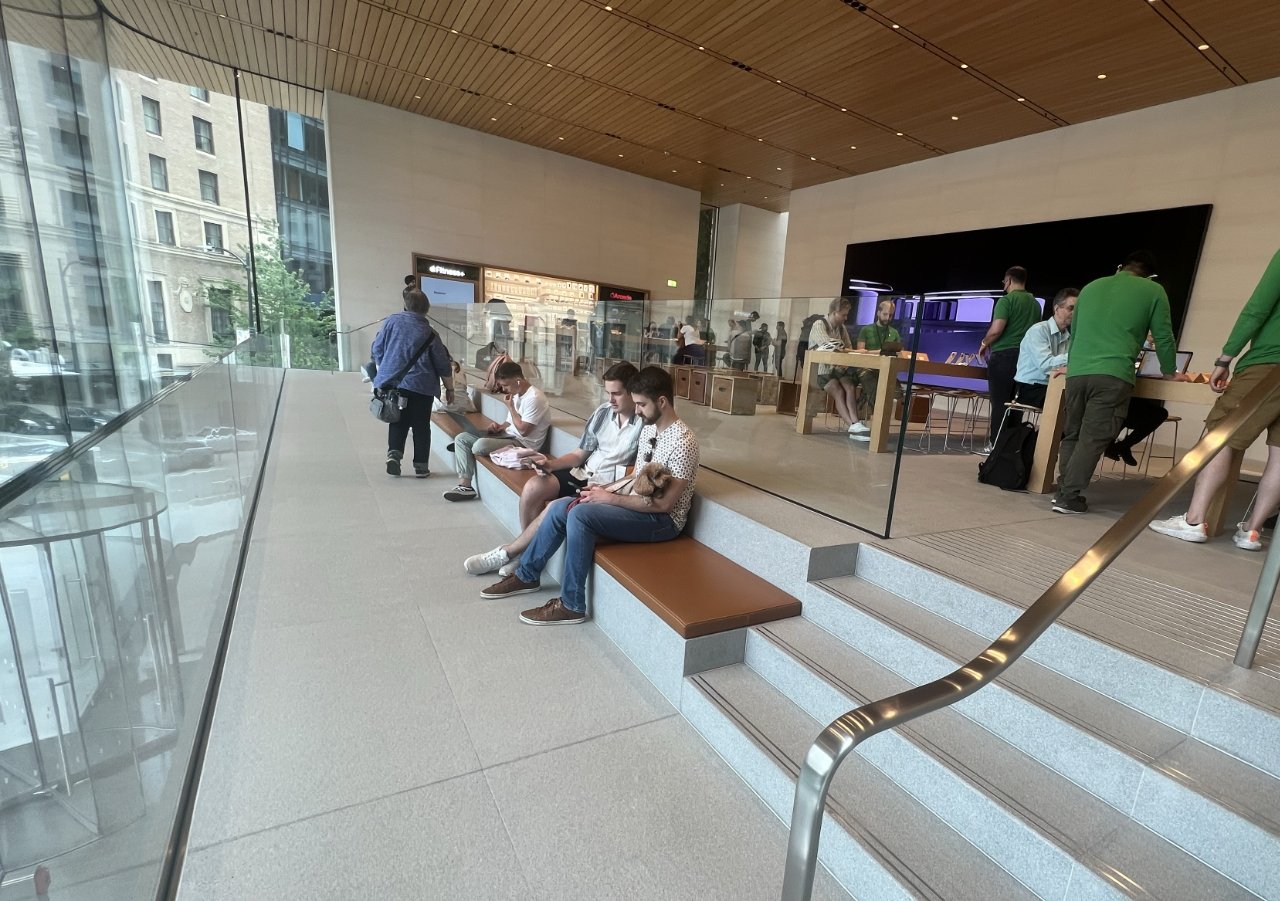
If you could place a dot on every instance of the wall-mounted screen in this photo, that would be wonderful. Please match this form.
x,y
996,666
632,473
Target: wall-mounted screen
x,y
1057,254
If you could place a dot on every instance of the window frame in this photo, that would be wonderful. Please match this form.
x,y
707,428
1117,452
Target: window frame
x,y
159,334
195,125
221,245
152,159
216,199
173,227
146,118
200,94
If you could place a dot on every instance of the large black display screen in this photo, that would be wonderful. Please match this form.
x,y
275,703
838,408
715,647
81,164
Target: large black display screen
x,y
1058,254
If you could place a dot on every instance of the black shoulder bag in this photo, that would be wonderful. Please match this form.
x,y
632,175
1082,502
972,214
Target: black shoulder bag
x,y
386,403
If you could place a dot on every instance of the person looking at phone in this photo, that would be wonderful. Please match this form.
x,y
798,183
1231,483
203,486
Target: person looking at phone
x,y
607,448
527,424
598,513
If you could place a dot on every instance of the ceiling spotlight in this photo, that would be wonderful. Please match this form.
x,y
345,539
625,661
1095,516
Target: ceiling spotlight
x,y
673,171
748,178
508,103
417,96
899,134
559,139
722,184
699,162
1022,99
333,49
760,140
453,31
843,110
813,158
853,146
702,48
549,66
896,27
778,80
493,118
1203,47
779,168
1102,76
619,154
964,65
955,118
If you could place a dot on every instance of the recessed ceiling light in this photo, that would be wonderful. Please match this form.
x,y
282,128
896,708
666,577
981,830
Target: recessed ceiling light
x,y
428,79
1102,76
722,184
493,118
760,139
508,103
453,31
333,49
779,168
964,65
814,158
702,48
619,154
549,66
1203,47
673,171
843,110
766,197
955,118
559,139
853,146
778,80
417,96
699,162
897,26
1022,99
899,134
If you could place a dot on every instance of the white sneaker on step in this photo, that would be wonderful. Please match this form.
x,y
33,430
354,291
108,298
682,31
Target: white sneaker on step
x,y
1178,527
485,563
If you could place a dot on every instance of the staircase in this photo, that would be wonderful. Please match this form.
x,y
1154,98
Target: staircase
x,y
1084,772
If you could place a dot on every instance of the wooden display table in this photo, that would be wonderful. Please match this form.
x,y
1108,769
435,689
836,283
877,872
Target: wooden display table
x,y
735,394
889,367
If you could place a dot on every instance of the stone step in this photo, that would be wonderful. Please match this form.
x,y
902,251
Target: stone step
x,y
877,841
1045,829
1233,840
1215,717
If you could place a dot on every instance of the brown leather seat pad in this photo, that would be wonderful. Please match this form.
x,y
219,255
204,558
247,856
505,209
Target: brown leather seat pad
x,y
695,590
512,478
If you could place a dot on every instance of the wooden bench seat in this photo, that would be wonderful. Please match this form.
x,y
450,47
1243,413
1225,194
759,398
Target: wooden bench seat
x,y
512,478
693,589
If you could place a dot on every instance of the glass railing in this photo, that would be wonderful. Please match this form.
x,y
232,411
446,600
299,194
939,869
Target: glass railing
x,y
740,380
116,575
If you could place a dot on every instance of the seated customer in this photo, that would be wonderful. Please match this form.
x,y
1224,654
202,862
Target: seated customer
x,y
596,513
608,446
873,338
527,425
839,382
1043,352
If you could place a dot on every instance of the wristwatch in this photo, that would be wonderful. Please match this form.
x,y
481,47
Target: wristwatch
x,y
1224,362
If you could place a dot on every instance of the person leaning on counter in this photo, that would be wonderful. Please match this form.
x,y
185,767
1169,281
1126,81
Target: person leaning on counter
x,y
1113,316
1015,312
1043,352
873,338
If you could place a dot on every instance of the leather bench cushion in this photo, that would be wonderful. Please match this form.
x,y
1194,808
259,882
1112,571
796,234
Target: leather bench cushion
x,y
695,590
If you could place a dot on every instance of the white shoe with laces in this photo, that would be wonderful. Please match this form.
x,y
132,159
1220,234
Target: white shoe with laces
x,y
1247,539
1178,527
859,428
509,568
485,563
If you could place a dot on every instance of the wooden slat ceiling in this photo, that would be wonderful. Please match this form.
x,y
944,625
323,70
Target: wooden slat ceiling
x,y
741,100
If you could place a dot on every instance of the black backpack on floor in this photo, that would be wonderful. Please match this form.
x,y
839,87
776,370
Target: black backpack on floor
x,y
1009,464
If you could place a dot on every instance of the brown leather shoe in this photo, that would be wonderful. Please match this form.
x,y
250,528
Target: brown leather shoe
x,y
552,613
509,586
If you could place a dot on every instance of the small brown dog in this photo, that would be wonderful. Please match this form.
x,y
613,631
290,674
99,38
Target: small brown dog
x,y
650,480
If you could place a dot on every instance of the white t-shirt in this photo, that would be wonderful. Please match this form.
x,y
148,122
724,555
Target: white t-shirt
x,y
532,407
690,335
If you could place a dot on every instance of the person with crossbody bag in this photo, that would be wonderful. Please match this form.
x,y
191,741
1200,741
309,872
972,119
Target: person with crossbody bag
x,y
412,365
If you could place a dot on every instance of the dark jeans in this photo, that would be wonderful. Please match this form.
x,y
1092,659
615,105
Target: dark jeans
x,y
1031,395
1096,407
416,416
801,348
1002,365
1144,417
762,359
782,353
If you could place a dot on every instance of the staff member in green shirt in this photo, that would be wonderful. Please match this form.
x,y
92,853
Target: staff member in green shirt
x,y
1113,316
873,337
1015,312
1258,325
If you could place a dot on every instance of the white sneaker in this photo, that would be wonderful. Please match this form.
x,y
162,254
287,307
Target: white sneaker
x,y
1247,540
509,568
486,562
859,428
1178,527
864,438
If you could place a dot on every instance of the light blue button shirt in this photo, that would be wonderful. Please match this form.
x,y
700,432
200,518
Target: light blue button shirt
x,y
1044,348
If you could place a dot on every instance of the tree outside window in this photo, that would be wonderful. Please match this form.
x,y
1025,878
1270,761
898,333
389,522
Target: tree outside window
x,y
204,134
151,115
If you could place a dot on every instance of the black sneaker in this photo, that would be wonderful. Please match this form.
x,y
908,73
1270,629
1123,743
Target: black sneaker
x,y
421,472
393,466
460,493
1070,505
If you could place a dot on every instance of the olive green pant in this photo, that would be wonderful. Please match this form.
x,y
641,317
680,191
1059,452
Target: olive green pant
x,y
1096,407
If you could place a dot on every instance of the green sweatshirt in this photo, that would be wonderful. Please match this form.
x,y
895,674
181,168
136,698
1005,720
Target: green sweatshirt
x,y
1020,311
1113,316
1259,322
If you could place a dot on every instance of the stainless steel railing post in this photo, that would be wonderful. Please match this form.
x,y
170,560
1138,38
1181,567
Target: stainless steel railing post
x,y
1260,607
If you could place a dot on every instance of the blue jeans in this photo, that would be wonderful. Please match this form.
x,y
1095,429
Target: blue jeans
x,y
578,530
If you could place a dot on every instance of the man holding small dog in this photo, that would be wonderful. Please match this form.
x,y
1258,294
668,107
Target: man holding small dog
x,y
615,515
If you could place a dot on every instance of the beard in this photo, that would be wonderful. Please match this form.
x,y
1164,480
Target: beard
x,y
651,420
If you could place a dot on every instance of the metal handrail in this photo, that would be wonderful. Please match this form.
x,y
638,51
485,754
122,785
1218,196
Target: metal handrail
x,y
840,738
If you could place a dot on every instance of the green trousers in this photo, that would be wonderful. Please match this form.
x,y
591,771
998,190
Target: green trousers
x,y
1096,408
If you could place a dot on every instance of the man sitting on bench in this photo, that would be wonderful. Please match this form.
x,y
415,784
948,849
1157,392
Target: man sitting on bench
x,y
596,513
529,420
607,447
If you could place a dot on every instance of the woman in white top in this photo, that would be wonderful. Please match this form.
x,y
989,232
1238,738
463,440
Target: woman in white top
x,y
841,382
